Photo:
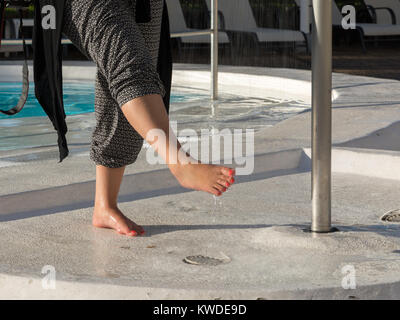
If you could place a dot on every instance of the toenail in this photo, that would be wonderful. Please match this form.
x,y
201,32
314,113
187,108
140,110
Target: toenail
x,y
227,184
133,233
232,180
230,172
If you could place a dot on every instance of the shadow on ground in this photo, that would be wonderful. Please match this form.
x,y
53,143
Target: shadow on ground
x,y
383,139
135,187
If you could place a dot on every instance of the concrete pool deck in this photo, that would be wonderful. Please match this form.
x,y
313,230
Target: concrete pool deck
x,y
256,230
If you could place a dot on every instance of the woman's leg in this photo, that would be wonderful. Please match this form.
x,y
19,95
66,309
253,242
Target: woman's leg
x,y
106,213
125,54
115,144
147,114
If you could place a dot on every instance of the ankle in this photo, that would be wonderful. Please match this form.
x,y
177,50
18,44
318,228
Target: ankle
x,y
176,168
104,205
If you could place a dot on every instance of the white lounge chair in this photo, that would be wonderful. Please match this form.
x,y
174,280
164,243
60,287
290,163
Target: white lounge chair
x,y
9,33
178,25
239,18
12,32
367,31
384,11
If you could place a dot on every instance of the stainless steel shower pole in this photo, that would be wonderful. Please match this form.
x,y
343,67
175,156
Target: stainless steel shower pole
x,y
321,115
214,49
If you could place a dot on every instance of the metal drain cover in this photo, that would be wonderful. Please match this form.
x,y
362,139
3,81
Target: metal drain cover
x,y
204,261
392,216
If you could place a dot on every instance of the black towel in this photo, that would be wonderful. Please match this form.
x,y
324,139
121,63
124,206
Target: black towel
x,y
48,70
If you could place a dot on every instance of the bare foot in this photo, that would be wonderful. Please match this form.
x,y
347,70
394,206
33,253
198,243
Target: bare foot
x,y
204,177
113,218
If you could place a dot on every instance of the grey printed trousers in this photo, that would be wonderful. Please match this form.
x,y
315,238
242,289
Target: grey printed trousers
x,y
126,54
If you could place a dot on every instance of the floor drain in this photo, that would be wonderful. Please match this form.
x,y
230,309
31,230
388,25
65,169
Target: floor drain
x,y
204,261
391,216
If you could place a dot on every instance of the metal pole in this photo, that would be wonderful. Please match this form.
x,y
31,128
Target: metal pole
x,y
321,115
214,49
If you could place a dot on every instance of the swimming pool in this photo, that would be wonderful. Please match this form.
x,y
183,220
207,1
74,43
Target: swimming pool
x,y
191,108
78,99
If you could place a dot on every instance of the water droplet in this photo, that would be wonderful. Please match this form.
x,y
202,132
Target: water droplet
x,y
218,205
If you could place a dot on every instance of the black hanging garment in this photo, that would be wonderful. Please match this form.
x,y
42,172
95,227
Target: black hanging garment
x,y
47,55
164,65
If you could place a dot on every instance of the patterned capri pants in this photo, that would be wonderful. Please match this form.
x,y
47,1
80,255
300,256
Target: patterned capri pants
x,y
126,54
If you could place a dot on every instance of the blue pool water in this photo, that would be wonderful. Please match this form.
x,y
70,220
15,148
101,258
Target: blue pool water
x,y
190,108
78,99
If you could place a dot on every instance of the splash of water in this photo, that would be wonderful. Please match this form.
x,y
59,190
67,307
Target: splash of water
x,y
218,205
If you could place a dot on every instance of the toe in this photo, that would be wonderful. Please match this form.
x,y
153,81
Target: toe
x,y
220,187
132,233
215,192
135,227
228,171
224,182
138,229
227,179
